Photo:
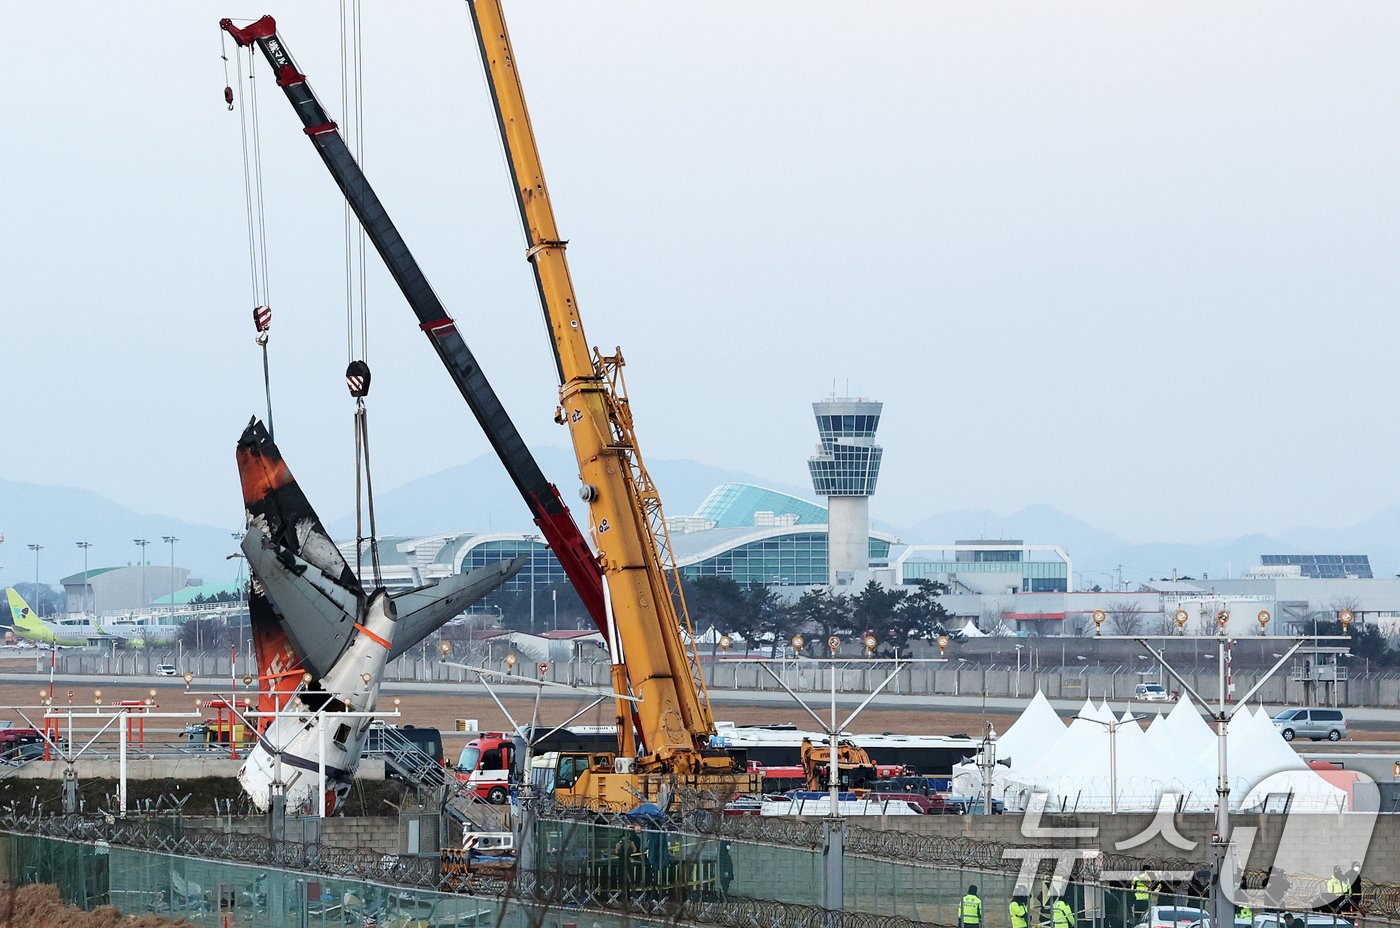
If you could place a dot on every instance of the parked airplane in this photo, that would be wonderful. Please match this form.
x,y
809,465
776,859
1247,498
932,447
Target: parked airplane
x,y
142,634
27,625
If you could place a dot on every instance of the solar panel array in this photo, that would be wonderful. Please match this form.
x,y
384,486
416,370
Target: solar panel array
x,y
1323,566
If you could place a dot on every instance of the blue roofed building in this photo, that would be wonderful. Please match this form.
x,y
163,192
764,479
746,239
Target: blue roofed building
x,y
760,537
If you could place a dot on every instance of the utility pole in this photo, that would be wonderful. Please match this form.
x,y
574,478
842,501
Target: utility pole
x,y
833,826
1222,909
988,764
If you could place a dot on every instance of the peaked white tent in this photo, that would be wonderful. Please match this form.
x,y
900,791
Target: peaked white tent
x,y
1029,738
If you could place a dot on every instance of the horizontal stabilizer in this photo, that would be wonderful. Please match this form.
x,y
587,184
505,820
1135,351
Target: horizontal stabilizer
x,y
318,613
425,609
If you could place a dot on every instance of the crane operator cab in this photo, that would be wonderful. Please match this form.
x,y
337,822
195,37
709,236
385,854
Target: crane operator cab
x,y
559,774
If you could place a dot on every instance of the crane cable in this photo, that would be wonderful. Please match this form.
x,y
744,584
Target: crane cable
x,y
254,210
357,373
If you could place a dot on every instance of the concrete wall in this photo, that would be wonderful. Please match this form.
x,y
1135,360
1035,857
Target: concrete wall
x,y
176,767
1076,680
410,832
1382,861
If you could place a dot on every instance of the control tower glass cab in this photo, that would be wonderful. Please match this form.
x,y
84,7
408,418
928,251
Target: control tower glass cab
x,y
844,470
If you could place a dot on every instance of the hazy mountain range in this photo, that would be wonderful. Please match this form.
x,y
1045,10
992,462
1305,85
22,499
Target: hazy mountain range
x,y
477,496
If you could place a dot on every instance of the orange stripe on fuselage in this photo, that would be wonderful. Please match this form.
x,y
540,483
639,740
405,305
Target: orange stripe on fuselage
x,y
373,637
261,476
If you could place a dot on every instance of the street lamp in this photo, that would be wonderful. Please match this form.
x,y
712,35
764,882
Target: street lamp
x,y
141,543
170,540
38,602
87,587
531,540
1112,728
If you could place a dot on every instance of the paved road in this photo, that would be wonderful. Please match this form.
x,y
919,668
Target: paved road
x,y
1386,721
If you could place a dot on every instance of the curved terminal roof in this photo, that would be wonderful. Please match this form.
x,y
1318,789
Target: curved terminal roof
x,y
735,505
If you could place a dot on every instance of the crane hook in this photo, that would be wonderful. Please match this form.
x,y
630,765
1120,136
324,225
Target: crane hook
x,y
228,97
357,379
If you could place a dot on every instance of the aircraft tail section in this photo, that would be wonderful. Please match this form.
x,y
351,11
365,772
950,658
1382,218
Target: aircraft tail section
x,y
22,618
278,507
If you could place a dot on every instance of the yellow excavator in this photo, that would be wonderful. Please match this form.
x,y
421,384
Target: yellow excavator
x,y
670,750
854,768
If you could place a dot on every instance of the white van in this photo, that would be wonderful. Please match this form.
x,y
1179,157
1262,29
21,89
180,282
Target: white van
x,y
1151,692
1311,723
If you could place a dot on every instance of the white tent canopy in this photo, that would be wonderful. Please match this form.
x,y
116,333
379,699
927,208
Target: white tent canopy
x,y
1177,756
1032,736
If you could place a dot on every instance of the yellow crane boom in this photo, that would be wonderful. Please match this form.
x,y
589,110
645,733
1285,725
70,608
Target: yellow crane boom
x,y
624,509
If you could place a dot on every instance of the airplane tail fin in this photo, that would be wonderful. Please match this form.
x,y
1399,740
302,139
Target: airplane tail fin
x,y
22,618
277,506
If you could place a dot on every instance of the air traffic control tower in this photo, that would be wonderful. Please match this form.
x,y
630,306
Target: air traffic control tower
x,y
844,470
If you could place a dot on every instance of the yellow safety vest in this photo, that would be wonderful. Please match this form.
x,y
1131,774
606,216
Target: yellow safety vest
x,y
1062,915
1337,886
971,910
1245,912
1019,915
1140,887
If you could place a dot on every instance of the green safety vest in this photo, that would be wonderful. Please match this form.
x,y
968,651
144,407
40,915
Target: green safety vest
x,y
1140,887
1019,915
971,910
1062,915
1245,912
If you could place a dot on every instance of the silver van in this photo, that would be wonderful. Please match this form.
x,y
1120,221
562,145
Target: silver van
x,y
1311,723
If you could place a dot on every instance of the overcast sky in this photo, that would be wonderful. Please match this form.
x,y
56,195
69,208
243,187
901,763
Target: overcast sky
x,y
1137,261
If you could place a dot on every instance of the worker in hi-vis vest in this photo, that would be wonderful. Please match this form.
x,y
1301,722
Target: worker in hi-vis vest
x,y
970,911
1339,887
1020,909
1142,894
1061,915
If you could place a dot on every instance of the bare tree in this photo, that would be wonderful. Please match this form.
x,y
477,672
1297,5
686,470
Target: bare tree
x,y
1339,604
1076,624
1125,618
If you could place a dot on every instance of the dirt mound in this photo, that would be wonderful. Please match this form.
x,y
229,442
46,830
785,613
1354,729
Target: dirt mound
x,y
38,906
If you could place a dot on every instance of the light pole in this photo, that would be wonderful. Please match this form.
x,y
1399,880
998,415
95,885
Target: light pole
x,y
38,602
141,543
86,583
1019,647
1112,728
170,540
531,540
554,597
